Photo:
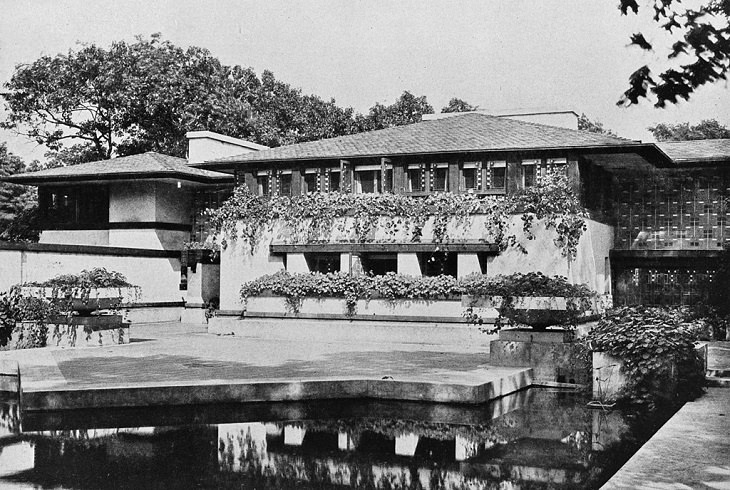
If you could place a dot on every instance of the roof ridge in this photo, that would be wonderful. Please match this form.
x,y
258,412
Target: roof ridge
x,y
579,131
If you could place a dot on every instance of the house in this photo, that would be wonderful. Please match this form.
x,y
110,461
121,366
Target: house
x,y
658,213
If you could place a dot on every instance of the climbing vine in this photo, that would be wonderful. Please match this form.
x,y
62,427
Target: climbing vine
x,y
316,217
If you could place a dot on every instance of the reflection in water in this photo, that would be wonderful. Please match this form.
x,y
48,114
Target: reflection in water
x,y
534,439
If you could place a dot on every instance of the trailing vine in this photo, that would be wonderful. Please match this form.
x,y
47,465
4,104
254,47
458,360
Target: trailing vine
x,y
391,286
315,217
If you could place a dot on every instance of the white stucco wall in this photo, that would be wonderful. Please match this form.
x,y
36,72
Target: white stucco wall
x,y
158,277
75,237
132,202
239,265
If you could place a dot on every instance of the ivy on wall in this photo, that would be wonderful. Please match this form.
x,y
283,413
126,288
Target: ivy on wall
x,y
314,217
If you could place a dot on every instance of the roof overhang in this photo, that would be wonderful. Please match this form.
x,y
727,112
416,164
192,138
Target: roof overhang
x,y
29,179
648,153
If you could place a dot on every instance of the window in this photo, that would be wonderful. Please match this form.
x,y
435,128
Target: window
x,y
557,165
310,181
440,177
415,176
497,175
469,173
285,182
529,173
333,180
262,183
323,262
379,264
74,206
369,179
438,263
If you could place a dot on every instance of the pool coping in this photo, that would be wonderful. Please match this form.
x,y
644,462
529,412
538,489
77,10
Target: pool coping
x,y
239,391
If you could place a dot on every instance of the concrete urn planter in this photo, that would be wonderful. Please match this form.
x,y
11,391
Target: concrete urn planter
x,y
538,312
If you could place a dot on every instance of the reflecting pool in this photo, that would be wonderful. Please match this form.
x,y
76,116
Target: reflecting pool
x,y
537,438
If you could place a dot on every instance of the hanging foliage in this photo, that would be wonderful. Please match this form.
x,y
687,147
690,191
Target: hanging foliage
x,y
314,217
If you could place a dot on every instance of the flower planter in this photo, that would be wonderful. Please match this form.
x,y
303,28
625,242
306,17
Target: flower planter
x,y
91,331
98,298
374,309
538,312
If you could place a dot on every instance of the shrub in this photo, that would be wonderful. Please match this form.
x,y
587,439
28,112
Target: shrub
x,y
657,350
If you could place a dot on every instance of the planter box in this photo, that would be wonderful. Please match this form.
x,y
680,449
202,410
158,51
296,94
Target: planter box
x,y
99,298
93,331
376,309
538,312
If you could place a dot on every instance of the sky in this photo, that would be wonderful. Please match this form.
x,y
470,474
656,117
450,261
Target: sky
x,y
498,54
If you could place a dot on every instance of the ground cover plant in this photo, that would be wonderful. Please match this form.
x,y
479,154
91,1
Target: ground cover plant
x,y
391,286
658,352
314,217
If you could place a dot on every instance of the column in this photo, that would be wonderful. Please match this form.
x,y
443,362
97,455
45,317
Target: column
x,y
408,264
467,263
405,445
296,263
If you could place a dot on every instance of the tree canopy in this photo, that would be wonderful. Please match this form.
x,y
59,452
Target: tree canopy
x,y
458,105
407,109
18,204
706,129
146,95
97,103
592,126
699,55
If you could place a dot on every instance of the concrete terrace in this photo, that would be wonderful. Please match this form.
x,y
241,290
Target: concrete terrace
x,y
182,364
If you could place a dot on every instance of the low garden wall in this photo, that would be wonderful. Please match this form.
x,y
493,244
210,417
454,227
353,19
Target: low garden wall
x,y
156,272
439,311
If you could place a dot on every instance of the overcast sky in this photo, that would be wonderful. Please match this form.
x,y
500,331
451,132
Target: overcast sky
x,y
500,55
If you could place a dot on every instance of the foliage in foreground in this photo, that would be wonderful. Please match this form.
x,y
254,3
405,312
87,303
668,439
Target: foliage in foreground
x,y
657,348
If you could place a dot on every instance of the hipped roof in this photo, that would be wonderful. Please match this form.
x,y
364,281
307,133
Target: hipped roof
x,y
145,165
469,132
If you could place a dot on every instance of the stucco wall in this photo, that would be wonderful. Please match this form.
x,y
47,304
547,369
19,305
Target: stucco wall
x,y
239,265
75,237
158,277
132,202
173,205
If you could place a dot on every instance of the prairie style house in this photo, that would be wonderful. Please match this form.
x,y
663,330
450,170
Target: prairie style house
x,y
658,212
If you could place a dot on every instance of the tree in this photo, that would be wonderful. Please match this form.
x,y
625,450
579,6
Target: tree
x,y
700,55
706,129
596,126
459,105
18,204
98,103
407,109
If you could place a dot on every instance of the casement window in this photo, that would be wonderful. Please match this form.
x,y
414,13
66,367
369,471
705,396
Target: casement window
x,y
334,179
310,181
74,206
438,263
470,176
378,264
416,178
285,182
373,179
263,183
439,177
496,175
323,262
529,172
